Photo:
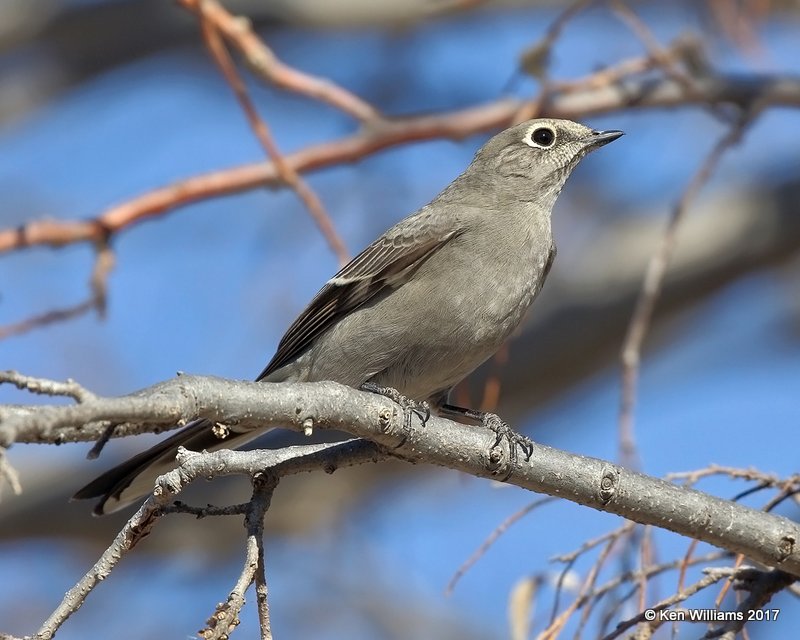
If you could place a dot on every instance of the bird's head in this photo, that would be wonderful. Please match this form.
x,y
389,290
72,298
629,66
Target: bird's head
x,y
532,160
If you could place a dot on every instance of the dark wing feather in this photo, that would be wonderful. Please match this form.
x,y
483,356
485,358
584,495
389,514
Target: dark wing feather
x,y
387,262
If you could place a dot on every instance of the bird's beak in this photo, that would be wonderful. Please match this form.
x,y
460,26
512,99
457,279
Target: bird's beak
x,y
601,138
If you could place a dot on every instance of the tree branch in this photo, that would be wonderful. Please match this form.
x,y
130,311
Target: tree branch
x,y
264,63
639,93
279,462
289,176
226,616
766,538
630,354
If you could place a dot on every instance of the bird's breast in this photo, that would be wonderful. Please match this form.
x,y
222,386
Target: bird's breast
x,y
453,314
507,283
505,304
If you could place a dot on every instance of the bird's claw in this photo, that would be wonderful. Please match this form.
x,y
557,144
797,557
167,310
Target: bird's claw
x,y
503,432
410,406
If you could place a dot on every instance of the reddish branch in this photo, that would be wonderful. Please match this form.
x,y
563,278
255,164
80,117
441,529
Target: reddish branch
x,y
260,58
385,133
288,175
381,135
98,287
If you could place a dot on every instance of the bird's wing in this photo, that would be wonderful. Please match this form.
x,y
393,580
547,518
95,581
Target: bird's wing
x,y
387,262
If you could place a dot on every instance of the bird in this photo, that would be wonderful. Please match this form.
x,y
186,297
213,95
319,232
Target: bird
x,y
423,305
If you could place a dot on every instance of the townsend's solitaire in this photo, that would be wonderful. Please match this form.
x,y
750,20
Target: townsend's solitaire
x,y
426,303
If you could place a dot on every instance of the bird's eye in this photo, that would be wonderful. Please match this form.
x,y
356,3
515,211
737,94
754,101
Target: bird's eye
x,y
543,136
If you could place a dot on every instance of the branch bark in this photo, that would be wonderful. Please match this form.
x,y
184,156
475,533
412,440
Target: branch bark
x,y
766,538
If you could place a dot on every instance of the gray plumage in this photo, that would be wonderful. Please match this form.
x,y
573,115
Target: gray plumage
x,y
426,303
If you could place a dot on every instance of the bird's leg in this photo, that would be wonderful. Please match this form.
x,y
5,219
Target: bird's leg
x,y
497,425
410,406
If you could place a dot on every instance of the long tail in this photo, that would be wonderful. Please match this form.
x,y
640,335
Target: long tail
x,y
133,479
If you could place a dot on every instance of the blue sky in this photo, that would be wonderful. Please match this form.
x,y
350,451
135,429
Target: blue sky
x,y
210,289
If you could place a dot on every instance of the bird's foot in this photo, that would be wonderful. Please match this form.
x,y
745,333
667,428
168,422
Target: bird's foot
x,y
503,432
410,406
500,428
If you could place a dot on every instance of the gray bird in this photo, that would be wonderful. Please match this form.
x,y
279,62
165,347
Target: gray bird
x,y
422,306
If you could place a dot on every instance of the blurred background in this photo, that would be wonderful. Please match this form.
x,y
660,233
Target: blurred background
x,y
104,100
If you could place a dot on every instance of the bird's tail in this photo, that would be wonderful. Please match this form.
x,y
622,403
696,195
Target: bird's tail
x,y
135,478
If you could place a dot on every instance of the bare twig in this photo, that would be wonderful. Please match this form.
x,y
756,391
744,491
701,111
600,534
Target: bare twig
x,y
98,281
590,599
615,73
287,174
264,486
208,511
262,602
191,467
686,561
101,442
134,530
104,263
635,577
44,319
535,60
610,539
738,21
651,287
691,478
712,577
605,90
9,474
639,93
625,529
263,62
43,386
645,561
661,56
762,586
226,616
785,493
491,539
557,625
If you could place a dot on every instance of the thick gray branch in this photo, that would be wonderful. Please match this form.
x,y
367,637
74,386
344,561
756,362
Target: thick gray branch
x,y
763,537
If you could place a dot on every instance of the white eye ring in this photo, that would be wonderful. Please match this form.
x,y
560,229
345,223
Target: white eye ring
x,y
546,137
